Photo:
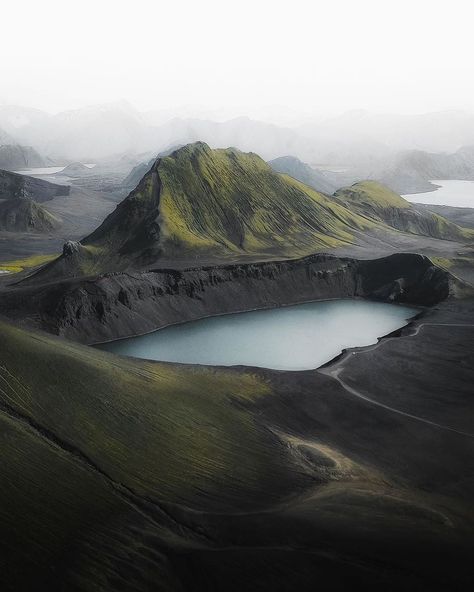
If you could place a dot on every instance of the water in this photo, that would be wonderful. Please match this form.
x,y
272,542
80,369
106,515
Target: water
x,y
52,170
299,337
459,194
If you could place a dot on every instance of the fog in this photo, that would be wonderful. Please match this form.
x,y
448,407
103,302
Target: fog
x,y
315,78
268,60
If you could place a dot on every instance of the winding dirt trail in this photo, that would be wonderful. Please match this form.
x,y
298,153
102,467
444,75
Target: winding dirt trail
x,y
335,370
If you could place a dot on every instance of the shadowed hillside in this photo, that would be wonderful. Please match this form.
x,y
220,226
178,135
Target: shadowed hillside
x,y
120,474
24,215
13,185
290,165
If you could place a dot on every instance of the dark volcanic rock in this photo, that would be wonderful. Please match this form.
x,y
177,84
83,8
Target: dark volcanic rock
x,y
70,247
119,305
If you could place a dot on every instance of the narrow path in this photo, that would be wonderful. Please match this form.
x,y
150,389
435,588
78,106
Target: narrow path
x,y
335,370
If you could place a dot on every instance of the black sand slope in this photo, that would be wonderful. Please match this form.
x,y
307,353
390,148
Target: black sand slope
x,y
124,475
119,474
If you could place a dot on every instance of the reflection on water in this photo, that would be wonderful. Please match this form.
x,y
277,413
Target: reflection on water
x,y
298,337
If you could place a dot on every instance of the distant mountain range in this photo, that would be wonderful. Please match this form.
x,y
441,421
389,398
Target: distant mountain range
x,y
326,181
357,139
412,171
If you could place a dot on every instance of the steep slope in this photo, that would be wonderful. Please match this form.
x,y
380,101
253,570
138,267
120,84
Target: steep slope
x,y
13,185
24,215
118,305
290,165
372,199
13,157
141,169
215,203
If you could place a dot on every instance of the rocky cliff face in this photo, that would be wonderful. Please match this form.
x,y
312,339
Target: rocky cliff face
x,y
119,305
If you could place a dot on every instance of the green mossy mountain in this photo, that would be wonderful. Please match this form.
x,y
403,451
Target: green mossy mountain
x,y
199,202
379,203
222,201
226,205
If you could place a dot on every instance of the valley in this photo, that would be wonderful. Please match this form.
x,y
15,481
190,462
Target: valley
x,y
335,469
236,296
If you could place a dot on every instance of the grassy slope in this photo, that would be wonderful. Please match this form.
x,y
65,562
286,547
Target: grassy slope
x,y
17,265
88,438
111,466
220,203
372,199
231,200
106,398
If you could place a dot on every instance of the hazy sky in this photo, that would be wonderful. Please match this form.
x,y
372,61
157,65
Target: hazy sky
x,y
250,57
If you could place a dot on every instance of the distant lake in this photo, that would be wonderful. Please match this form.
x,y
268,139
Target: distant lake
x,y
459,194
47,170
299,337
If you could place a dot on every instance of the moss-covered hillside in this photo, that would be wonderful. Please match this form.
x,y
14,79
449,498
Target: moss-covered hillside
x,y
377,202
220,203
122,475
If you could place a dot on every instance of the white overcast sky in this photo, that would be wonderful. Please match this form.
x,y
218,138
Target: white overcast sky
x,y
239,57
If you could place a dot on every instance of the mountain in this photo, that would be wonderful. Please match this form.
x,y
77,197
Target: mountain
x,y
78,134
5,138
290,165
199,202
248,135
24,215
14,157
97,131
76,169
140,170
14,185
378,133
204,204
412,171
377,201
20,121
370,198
